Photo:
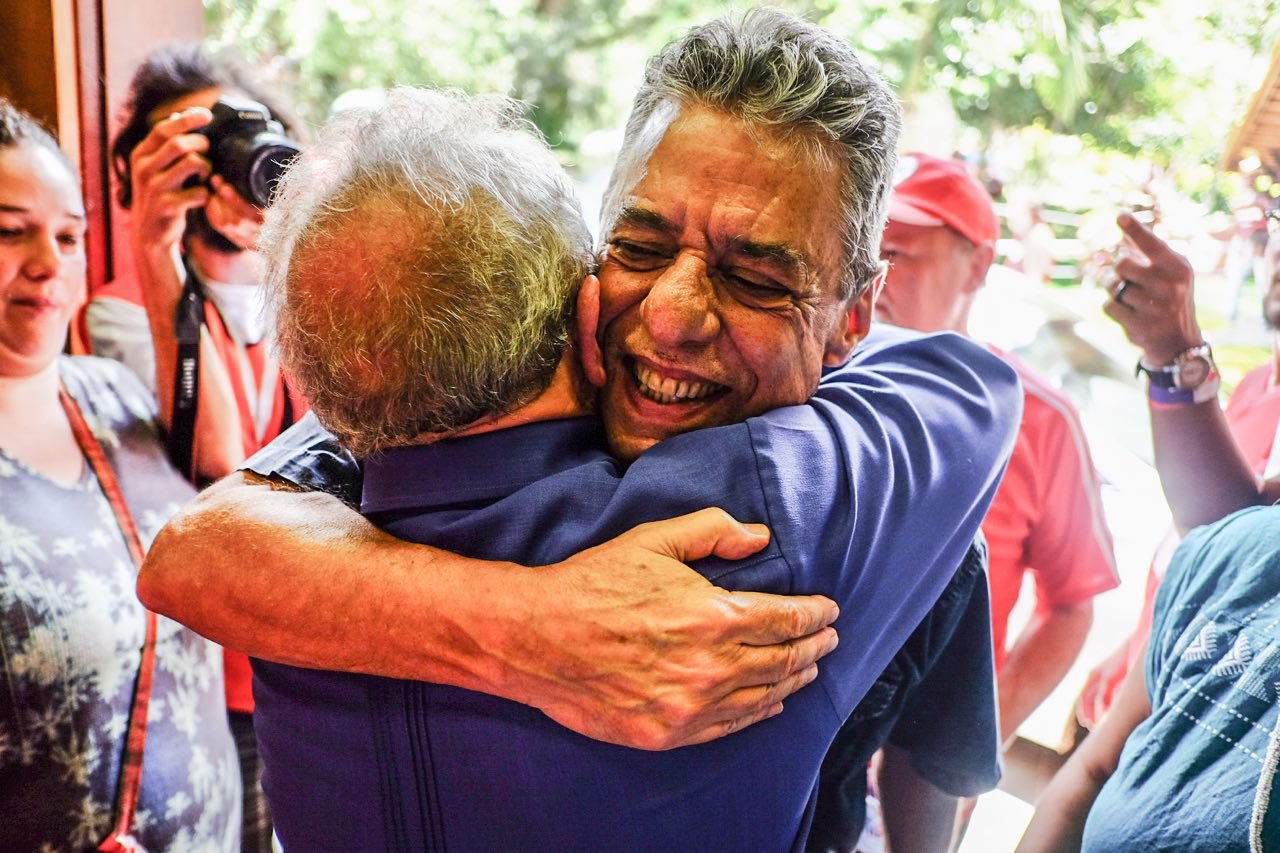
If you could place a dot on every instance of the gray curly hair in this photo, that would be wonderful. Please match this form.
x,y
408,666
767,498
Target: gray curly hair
x,y
782,74
422,260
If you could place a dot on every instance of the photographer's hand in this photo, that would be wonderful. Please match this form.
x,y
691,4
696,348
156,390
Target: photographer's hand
x,y
233,217
163,163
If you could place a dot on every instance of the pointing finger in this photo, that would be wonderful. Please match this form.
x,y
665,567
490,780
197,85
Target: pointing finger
x,y
1143,238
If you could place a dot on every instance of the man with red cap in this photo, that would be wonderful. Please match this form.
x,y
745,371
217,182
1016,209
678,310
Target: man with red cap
x,y
1047,516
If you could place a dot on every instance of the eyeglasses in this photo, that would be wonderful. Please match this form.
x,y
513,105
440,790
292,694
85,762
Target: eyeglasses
x,y
1273,221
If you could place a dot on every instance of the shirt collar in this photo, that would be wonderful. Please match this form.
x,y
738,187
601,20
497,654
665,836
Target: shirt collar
x,y
483,467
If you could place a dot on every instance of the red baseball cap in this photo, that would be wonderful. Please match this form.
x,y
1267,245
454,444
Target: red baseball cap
x,y
931,191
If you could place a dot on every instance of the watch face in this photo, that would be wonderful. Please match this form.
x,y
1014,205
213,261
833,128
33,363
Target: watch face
x,y
1192,372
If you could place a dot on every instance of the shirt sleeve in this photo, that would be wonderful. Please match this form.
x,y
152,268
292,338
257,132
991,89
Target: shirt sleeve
x,y
308,455
119,330
948,725
1069,548
873,491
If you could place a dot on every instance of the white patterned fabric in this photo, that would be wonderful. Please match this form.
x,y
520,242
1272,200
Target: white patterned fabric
x,y
71,632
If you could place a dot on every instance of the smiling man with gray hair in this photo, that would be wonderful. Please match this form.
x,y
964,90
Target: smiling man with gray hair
x,y
724,289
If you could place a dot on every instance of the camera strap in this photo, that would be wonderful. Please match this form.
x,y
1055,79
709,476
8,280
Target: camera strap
x,y
186,379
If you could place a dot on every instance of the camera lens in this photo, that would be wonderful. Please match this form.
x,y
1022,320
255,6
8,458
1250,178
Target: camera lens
x,y
269,164
248,148
254,164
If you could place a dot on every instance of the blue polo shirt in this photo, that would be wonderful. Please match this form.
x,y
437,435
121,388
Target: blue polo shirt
x,y
873,491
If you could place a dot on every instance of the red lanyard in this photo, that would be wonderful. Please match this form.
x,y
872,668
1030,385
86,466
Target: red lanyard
x,y
121,838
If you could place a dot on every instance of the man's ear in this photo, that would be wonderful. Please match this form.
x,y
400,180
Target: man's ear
x,y
854,321
980,260
590,355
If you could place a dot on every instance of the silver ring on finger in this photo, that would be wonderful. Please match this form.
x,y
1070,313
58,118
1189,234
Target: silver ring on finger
x,y
1118,296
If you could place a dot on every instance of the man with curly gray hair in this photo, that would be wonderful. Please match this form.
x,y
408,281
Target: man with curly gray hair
x,y
724,289
469,244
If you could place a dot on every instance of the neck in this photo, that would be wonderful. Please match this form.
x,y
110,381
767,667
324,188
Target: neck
x,y
231,268
24,397
959,322
565,397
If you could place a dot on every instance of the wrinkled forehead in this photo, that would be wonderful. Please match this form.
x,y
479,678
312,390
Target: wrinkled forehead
x,y
633,161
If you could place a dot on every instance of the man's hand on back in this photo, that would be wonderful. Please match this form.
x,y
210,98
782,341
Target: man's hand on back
x,y
644,652
622,643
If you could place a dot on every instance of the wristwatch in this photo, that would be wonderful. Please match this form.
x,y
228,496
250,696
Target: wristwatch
x,y
1188,372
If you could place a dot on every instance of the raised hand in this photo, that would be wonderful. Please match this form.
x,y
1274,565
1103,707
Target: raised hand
x,y
170,175
1153,296
233,217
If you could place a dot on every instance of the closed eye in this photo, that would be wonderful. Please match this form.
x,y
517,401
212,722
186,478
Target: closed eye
x,y
764,293
637,255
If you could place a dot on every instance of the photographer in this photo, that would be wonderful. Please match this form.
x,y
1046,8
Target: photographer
x,y
193,238
187,219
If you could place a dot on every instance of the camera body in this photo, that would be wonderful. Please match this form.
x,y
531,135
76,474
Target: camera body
x,y
248,148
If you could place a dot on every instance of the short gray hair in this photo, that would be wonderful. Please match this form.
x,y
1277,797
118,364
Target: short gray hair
x,y
421,260
779,72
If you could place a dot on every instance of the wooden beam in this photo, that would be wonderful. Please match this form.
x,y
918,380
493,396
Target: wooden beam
x,y
1245,136
93,139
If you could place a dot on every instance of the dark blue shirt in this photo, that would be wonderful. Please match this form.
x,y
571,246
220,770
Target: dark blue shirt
x,y
935,701
873,491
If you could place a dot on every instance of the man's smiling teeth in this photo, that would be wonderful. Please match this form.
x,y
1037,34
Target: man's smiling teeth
x,y
670,390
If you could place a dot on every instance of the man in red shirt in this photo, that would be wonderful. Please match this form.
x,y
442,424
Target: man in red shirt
x,y
1047,516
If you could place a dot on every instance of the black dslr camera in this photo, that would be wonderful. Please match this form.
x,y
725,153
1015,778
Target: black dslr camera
x,y
248,148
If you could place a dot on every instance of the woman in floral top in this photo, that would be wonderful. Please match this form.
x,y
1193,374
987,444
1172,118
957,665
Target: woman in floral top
x,y
71,627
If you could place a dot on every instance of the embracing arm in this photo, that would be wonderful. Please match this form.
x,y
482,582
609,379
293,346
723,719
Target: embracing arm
x,y
1063,807
621,642
1204,475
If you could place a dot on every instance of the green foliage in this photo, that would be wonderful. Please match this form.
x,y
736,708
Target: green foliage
x,y
554,54
1163,78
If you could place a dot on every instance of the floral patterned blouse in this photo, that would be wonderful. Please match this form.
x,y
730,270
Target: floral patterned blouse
x,y
71,633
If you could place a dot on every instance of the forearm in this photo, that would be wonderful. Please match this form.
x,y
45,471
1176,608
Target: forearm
x,y
1203,474
217,447
161,287
303,580
917,815
1041,656
1061,811
1064,805
621,642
